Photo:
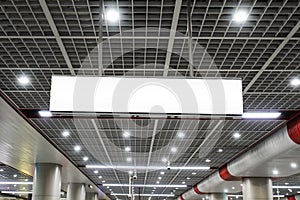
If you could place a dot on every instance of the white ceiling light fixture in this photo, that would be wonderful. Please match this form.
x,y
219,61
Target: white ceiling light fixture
x,y
286,187
295,82
16,183
157,182
225,190
96,171
236,135
45,113
194,173
15,175
24,80
164,160
100,177
162,173
77,148
144,185
208,160
240,16
129,159
261,115
275,172
146,195
1,170
127,149
65,133
85,158
173,149
180,134
126,134
220,150
112,15
293,165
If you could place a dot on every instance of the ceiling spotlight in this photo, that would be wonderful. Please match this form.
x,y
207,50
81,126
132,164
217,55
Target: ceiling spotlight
x,y
130,172
66,134
207,160
220,150
183,182
225,190
85,158
90,186
126,134
293,165
15,175
236,135
100,177
96,171
45,113
1,170
240,16
233,188
194,173
188,178
164,160
286,183
159,177
180,135
157,182
26,180
77,148
295,82
24,80
129,159
127,149
103,181
275,172
162,173
112,15
173,149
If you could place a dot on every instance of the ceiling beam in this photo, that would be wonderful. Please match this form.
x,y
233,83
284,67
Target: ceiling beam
x,y
172,35
271,58
148,37
57,36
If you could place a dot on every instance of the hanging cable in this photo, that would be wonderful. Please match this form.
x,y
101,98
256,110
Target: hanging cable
x,y
100,34
189,21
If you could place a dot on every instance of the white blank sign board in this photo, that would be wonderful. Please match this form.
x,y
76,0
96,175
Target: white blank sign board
x,y
146,95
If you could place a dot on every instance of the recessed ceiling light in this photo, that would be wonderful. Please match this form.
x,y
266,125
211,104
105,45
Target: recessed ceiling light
x,y
164,160
220,150
233,188
180,134
77,148
162,173
261,115
15,175
236,135
103,181
207,160
15,185
241,185
188,178
66,134
129,159
96,171
85,158
45,113
100,177
126,134
275,172
173,149
194,173
1,170
225,190
24,80
293,165
240,16
183,182
130,172
157,182
286,183
159,177
295,82
26,179
112,15
127,149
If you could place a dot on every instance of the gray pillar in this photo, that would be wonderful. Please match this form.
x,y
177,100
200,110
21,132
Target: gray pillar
x,y
46,181
257,189
76,191
218,196
91,196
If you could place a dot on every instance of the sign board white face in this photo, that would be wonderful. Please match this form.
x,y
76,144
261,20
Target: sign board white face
x,y
146,95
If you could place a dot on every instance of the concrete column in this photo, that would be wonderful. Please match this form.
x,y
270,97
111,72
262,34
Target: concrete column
x,y
218,196
257,189
91,196
46,181
76,191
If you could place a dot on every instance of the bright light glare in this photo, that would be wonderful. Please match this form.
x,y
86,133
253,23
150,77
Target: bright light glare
x,y
112,15
240,16
24,80
16,183
293,165
295,82
275,172
126,134
85,158
180,135
45,113
286,187
65,133
127,149
77,148
261,115
146,195
236,135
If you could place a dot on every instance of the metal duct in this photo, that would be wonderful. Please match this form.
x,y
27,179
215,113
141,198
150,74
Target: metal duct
x,y
276,151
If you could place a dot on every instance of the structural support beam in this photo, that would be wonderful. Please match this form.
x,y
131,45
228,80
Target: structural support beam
x,y
172,35
57,36
218,196
76,191
257,189
47,181
271,58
